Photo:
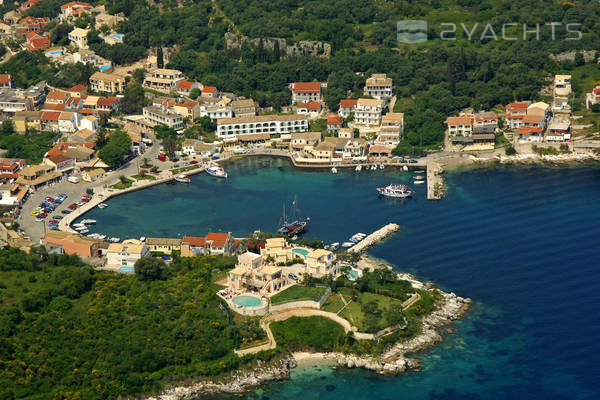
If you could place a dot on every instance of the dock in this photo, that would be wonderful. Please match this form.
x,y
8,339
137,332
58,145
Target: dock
x,y
435,182
374,237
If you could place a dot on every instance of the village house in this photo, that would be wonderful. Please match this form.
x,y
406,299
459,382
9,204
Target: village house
x,y
211,244
38,175
515,113
559,129
593,97
119,255
252,274
278,249
562,92
68,122
391,130
12,102
78,90
104,19
10,168
78,38
163,79
27,121
28,25
312,109
368,112
334,123
378,86
93,175
540,108
530,134
27,5
60,163
332,148
210,91
272,124
163,245
347,107
160,116
460,126
305,92
72,243
320,262
346,133
6,81
184,88
12,194
57,97
215,111
73,9
89,122
107,82
379,152
36,42
244,108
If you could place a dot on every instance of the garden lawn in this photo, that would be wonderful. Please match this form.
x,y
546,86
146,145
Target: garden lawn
x,y
299,293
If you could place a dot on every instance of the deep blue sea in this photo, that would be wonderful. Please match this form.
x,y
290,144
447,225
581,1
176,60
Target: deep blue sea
x,y
523,243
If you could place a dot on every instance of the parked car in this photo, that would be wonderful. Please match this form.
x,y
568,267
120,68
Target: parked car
x,y
57,217
64,196
193,162
66,211
85,199
292,276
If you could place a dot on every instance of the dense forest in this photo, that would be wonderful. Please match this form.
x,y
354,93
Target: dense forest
x,y
69,332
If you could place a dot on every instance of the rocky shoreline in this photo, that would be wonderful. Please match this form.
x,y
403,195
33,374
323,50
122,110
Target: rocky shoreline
x,y
393,361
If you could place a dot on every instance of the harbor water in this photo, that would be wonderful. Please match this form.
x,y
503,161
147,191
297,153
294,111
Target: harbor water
x,y
522,242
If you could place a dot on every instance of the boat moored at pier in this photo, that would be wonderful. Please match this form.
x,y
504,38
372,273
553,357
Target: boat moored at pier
x,y
395,191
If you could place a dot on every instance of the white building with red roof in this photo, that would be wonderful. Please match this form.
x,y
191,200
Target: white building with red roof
x,y
515,113
347,107
311,108
210,91
73,9
185,87
593,97
6,81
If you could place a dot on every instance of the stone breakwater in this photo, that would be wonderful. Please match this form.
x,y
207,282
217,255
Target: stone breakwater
x,y
374,237
237,382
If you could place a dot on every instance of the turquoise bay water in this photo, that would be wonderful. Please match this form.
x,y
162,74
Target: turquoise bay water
x,y
523,243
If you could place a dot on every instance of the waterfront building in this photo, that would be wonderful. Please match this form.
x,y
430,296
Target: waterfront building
x,y
125,254
320,262
559,129
72,243
391,130
160,116
251,274
211,244
304,92
93,175
531,134
378,86
163,245
368,112
228,128
515,113
278,249
460,126
299,141
562,92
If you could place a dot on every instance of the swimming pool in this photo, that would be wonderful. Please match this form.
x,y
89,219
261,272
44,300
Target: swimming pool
x,y
302,252
353,273
104,67
55,52
247,301
126,269
118,36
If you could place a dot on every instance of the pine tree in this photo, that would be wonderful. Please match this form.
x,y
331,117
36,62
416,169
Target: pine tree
x,y
276,51
159,58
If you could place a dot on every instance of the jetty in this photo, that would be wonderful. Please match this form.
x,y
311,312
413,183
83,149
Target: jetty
x,y
435,182
374,237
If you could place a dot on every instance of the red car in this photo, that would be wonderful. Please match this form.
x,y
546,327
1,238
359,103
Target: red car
x,y
85,199
73,206
43,215
193,162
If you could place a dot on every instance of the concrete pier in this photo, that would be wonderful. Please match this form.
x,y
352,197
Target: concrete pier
x,y
435,182
374,237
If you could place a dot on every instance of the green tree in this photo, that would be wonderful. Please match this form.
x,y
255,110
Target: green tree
x,y
150,269
7,127
160,62
510,150
194,93
169,144
138,75
133,100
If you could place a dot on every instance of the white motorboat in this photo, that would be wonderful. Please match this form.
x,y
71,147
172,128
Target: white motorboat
x,y
419,182
79,225
405,168
88,221
334,246
381,166
80,228
358,168
114,240
101,237
419,177
419,172
216,171
396,191
102,205
183,179
334,170
83,231
373,167
347,244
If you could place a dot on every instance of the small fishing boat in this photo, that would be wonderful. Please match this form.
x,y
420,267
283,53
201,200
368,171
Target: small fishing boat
x,y
358,168
347,244
419,177
216,171
80,228
88,221
334,246
101,237
420,182
373,167
334,170
405,168
419,172
83,231
395,191
183,179
114,240
102,205
381,166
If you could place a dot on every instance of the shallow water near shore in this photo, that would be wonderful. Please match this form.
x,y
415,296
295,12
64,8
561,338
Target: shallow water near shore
x,y
522,242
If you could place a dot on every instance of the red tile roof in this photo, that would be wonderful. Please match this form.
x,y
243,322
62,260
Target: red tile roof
x,y
185,85
195,241
106,101
334,119
36,42
597,90
189,104
528,130
348,103
217,239
517,106
56,95
208,89
532,119
311,105
459,120
306,87
75,3
5,79
53,107
78,88
50,115
58,158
